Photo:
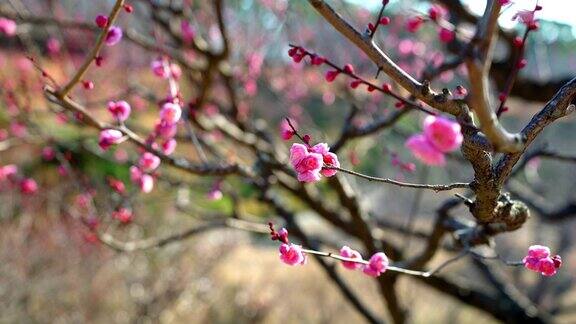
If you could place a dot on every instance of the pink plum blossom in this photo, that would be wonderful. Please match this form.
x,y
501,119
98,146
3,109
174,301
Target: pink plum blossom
x,y
292,254
113,36
328,158
109,137
424,151
148,162
159,68
353,254
120,110
307,164
377,265
539,260
170,112
169,146
215,194
414,23
443,133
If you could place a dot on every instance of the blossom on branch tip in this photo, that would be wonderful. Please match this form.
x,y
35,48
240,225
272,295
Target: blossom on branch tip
x,y
352,254
377,265
109,137
114,36
292,254
539,260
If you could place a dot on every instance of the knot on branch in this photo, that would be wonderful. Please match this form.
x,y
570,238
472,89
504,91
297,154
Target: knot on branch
x,y
510,215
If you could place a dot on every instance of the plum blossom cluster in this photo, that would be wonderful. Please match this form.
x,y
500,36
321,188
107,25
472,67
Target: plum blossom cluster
x,y
309,162
10,178
540,260
162,138
293,254
440,136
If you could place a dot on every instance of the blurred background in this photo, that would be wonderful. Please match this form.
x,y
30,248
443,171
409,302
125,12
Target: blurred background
x,y
54,269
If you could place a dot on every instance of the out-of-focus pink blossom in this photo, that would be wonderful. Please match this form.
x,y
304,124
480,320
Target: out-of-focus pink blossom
x,y
525,16
292,254
146,183
352,254
215,194
414,23
307,164
159,68
446,35
286,131
123,215
53,46
148,162
28,186
170,112
377,265
443,133
109,137
424,151
8,171
48,153
113,36
120,110
169,146
7,27
188,32
166,130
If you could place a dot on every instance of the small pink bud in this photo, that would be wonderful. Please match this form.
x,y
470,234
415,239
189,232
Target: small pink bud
x,y
331,75
354,84
387,87
414,24
128,8
522,63
88,85
348,68
384,21
318,60
446,35
101,21
518,42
